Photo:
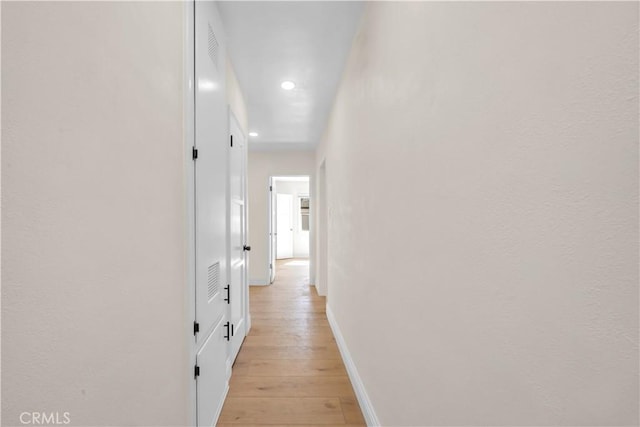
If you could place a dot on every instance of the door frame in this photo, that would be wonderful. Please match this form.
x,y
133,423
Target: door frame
x,y
322,207
190,226
270,219
271,188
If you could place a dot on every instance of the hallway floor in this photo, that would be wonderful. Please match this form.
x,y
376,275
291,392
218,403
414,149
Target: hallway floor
x,y
289,370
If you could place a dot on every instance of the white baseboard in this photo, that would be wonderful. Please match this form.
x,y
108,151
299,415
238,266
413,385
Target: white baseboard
x,y
363,398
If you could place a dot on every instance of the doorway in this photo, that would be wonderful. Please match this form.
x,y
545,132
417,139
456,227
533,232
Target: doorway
x,y
289,221
322,271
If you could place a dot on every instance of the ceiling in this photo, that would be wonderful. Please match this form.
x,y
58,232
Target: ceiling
x,y
306,42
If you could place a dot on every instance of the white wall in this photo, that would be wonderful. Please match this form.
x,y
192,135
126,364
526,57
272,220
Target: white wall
x,y
321,221
501,286
93,213
300,238
262,165
236,100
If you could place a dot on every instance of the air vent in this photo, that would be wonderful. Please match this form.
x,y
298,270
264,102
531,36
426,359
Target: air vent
x,y
213,282
214,47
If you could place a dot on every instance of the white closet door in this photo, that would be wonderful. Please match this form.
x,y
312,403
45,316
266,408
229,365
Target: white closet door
x,y
210,212
237,292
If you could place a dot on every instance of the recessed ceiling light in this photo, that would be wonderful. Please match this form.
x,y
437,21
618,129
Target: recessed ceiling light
x,y
253,133
287,85
207,85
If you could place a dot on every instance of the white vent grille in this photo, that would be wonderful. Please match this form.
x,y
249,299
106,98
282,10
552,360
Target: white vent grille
x,y
214,47
213,282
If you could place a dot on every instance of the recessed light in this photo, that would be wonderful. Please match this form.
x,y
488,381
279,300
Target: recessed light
x,y
287,85
207,85
253,133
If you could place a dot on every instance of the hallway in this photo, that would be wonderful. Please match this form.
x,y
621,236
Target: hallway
x,y
453,189
289,370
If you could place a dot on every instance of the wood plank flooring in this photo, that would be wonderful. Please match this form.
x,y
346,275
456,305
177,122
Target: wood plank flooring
x,y
289,371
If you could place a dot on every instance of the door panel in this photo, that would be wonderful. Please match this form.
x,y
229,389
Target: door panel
x,y
211,381
284,226
210,211
238,292
210,169
272,232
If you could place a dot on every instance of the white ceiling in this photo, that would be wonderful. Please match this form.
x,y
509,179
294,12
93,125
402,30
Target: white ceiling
x,y
306,42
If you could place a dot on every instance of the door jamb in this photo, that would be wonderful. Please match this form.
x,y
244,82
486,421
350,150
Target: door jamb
x,y
189,186
272,258
322,242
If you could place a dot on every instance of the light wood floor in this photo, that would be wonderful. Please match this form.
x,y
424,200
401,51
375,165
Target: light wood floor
x,y
289,370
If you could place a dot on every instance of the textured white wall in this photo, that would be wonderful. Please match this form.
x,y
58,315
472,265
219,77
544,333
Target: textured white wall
x,y
262,165
501,286
93,200
236,101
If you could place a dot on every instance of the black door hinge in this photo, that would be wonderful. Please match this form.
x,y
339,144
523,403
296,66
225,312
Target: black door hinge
x,y
196,371
196,327
271,266
231,137
194,153
271,188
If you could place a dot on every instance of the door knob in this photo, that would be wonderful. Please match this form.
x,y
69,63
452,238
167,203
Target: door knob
x,y
247,248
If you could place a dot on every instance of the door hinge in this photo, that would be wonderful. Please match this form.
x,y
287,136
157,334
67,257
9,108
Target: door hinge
x,y
196,327
196,371
228,298
271,188
194,153
231,137
271,266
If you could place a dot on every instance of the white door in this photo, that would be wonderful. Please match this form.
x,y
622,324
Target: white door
x,y
284,225
210,157
237,291
272,232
